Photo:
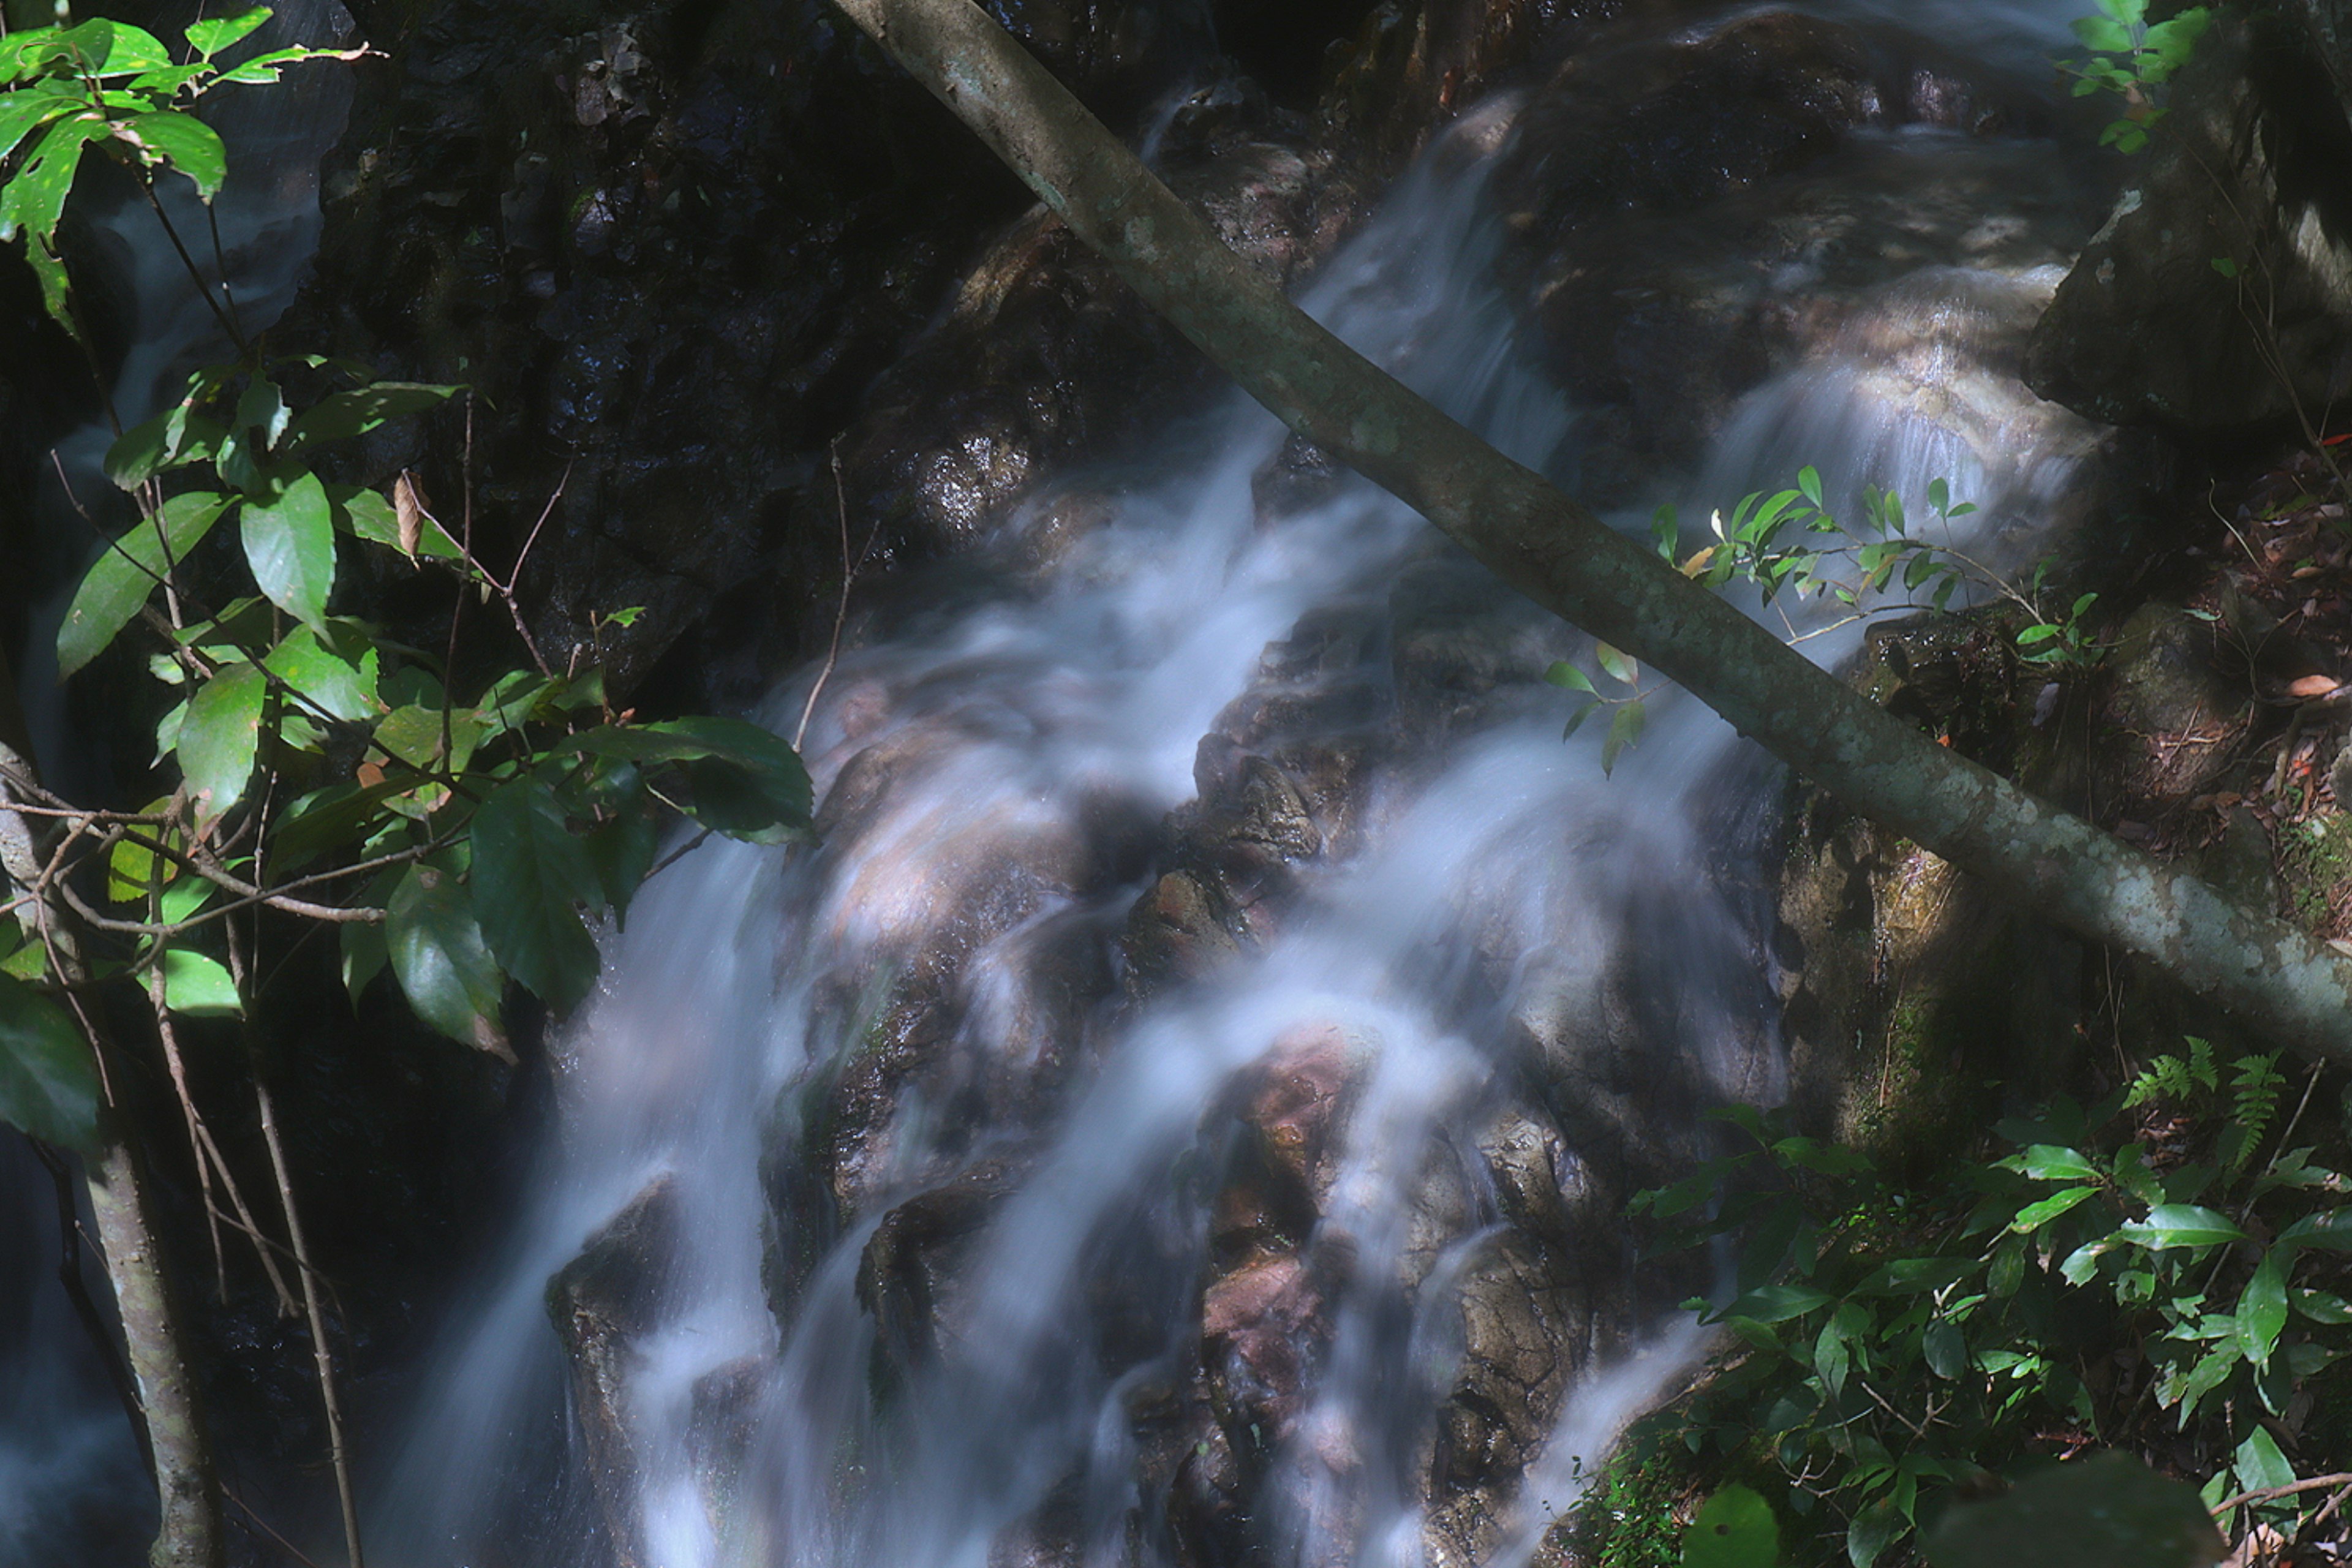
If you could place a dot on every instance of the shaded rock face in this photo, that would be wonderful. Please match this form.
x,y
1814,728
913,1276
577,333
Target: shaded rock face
x,y
1691,217
2246,171
602,1302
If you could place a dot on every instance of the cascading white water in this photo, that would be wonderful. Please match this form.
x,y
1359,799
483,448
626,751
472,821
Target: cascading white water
x,y
71,1491
981,769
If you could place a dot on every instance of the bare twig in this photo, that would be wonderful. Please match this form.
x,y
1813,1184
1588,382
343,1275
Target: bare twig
x,y
849,571
320,1351
2270,1494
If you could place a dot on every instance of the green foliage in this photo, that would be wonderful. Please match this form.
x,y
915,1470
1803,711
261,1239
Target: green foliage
x,y
114,87
2132,59
1896,1343
2107,1511
1790,542
1735,1530
462,828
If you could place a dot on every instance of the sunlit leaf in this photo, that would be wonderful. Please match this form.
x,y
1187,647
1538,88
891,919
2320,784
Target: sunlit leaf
x,y
186,144
1735,1530
290,542
211,37
220,736
198,986
120,581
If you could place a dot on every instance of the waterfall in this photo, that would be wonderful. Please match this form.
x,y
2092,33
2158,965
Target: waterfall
x,y
891,1206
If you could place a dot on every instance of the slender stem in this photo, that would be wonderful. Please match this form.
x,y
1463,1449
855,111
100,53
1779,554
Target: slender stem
x,y
320,1351
228,322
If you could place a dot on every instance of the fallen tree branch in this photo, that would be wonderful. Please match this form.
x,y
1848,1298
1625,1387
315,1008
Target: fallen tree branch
x,y
1536,539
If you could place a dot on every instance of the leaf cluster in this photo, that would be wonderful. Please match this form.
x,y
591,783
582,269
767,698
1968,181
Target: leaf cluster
x,y
2132,59
112,86
1894,1344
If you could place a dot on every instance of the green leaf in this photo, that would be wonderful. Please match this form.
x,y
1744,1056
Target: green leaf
x,y
2034,1217
1946,1348
365,953
183,141
1623,731
2260,1465
1615,665
2050,1163
2181,1225
210,37
2103,34
130,50
49,1083
2330,1230
22,113
1832,1357
220,737
199,987
530,870
747,783
33,202
623,852
1735,1530
441,959
290,542
120,581
370,517
2262,1309
2103,1511
2321,1307
326,672
1874,1530
1564,674
1777,1303
1809,484
343,414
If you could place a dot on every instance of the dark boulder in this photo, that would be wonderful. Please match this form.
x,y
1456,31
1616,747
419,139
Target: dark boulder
x,y
2218,299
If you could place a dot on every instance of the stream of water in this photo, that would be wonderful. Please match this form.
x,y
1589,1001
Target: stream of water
x,y
1506,970
981,765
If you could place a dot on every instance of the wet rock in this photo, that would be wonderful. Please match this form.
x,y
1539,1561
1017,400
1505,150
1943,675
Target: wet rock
x,y
602,1301
909,1277
1045,357
1460,646
2219,296
2180,707
1656,318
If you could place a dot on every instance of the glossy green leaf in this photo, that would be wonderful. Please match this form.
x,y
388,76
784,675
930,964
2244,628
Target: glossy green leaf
x,y
1564,674
2262,1309
22,113
442,962
529,871
1777,1303
220,737
1624,730
746,782
1946,1348
199,985
1615,665
48,1082
120,581
209,37
623,852
324,671
2330,1230
290,542
2052,1163
366,951
2034,1217
2260,1465
2181,1225
1735,1530
182,141
343,414
130,50
370,517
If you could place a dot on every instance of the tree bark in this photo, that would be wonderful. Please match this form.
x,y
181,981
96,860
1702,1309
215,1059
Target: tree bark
x,y
2276,978
187,1486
